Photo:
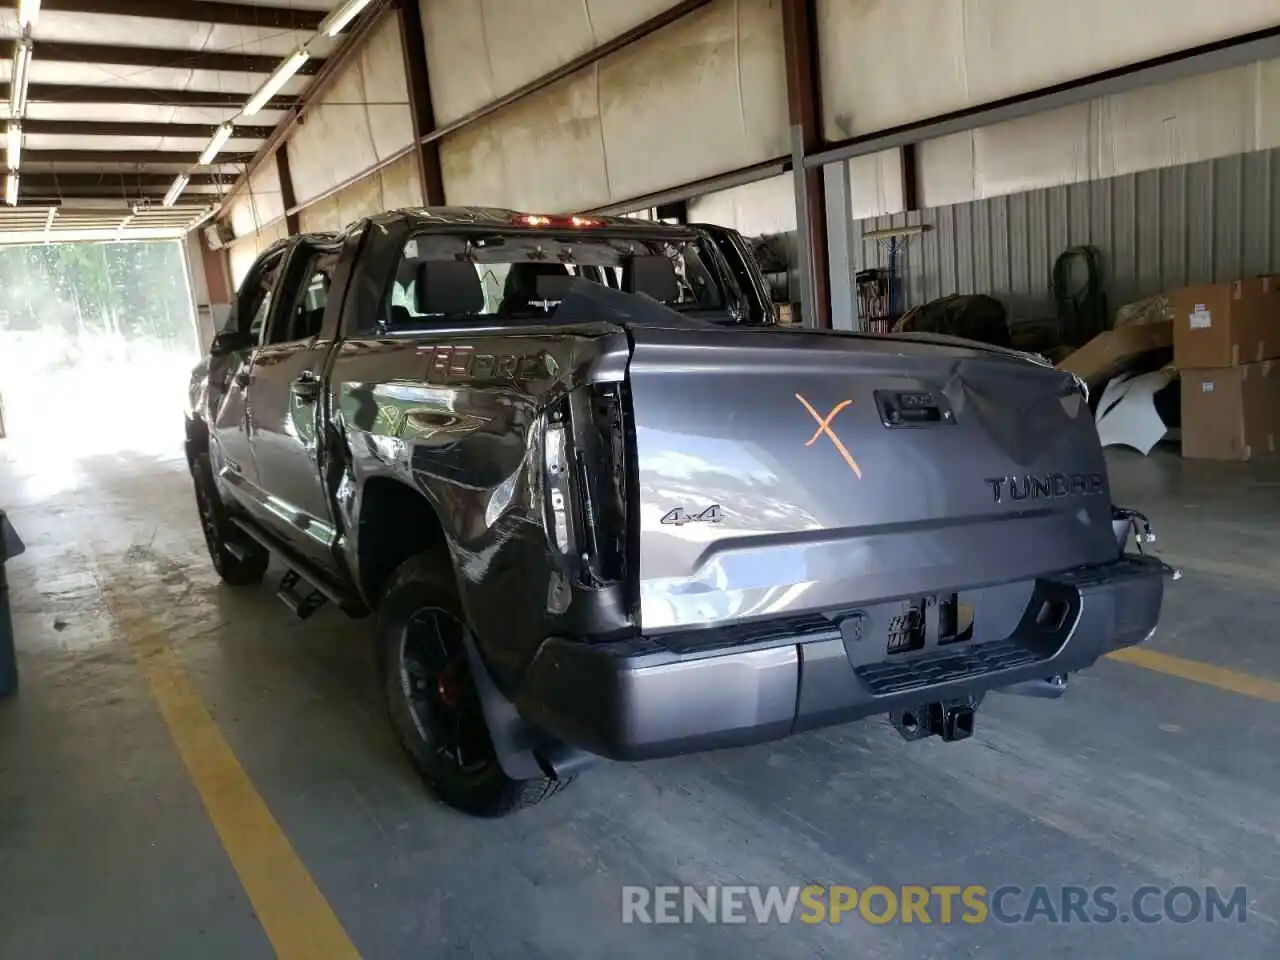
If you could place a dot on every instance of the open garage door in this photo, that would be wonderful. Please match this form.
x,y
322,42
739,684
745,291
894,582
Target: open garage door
x,y
96,346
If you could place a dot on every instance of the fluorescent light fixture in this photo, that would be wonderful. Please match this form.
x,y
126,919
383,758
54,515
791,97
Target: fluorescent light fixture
x,y
333,24
179,184
219,140
14,153
28,11
19,78
275,83
11,190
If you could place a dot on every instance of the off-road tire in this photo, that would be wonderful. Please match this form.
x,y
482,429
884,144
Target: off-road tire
x,y
240,561
421,589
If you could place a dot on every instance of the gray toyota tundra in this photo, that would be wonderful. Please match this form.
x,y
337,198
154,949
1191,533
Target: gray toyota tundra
x,y
603,506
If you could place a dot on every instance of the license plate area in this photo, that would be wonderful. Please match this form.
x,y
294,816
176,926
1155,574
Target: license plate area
x,y
928,622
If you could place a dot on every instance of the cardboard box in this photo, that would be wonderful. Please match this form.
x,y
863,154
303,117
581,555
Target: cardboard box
x,y
1109,351
1231,413
1226,324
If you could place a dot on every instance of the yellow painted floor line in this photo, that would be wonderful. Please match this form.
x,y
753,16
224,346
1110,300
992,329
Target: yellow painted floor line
x,y
1232,680
293,912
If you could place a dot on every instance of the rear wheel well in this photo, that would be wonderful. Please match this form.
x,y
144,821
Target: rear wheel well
x,y
396,523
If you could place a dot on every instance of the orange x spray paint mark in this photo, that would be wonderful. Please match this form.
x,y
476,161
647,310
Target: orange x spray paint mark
x,y
824,426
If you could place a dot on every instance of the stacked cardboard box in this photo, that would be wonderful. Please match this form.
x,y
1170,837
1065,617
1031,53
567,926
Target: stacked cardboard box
x,y
1226,341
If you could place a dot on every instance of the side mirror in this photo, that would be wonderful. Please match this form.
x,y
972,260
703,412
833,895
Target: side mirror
x,y
228,341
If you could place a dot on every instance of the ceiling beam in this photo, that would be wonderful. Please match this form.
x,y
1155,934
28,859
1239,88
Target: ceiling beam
x,y
63,182
197,11
143,157
45,196
58,93
107,128
123,56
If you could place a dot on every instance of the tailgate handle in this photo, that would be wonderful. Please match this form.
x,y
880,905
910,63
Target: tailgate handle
x,y
913,408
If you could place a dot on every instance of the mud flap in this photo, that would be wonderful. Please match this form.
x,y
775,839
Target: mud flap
x,y
523,752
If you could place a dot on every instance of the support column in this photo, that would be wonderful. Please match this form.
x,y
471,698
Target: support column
x,y
844,304
287,196
910,178
210,280
803,102
424,118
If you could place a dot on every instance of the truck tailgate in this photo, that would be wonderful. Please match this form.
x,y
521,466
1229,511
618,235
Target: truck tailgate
x,y
785,473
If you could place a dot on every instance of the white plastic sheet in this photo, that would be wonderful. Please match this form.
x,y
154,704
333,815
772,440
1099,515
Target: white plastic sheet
x,y
1127,413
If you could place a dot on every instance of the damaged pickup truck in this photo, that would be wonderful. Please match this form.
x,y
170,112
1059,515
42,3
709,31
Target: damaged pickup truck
x,y
603,507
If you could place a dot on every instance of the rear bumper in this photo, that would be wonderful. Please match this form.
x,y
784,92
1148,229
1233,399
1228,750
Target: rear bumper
x,y
636,700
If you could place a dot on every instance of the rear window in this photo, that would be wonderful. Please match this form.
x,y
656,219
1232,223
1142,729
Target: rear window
x,y
522,276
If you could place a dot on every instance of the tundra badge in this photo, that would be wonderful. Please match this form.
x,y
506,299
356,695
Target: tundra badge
x,y
1047,486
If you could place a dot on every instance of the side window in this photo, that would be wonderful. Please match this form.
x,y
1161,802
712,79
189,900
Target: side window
x,y
263,294
307,316
494,278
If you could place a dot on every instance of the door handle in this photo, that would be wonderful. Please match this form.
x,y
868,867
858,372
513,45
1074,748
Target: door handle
x,y
307,387
243,378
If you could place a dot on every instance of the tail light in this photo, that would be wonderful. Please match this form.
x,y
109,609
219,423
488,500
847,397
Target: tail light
x,y
584,478
558,467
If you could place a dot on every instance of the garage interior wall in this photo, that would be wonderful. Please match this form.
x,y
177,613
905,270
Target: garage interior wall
x,y
706,95
700,97
1205,222
361,120
245,250
1172,183
890,62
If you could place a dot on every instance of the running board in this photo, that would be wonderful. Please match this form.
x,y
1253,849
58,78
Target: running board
x,y
302,603
294,585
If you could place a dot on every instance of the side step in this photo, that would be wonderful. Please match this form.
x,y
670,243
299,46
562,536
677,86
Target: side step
x,y
303,593
303,604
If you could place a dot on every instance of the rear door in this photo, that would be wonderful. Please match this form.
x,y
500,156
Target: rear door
x,y
285,399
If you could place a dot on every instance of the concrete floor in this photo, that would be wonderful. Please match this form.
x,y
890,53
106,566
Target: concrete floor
x,y
106,848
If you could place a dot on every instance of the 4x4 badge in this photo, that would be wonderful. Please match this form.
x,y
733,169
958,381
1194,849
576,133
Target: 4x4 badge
x,y
679,516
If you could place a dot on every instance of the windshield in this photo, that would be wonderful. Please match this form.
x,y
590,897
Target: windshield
x,y
524,276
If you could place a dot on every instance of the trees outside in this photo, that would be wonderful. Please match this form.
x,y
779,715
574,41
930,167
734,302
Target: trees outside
x,y
136,291
85,324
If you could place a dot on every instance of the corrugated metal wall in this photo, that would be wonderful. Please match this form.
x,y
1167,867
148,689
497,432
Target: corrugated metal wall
x,y
1199,223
